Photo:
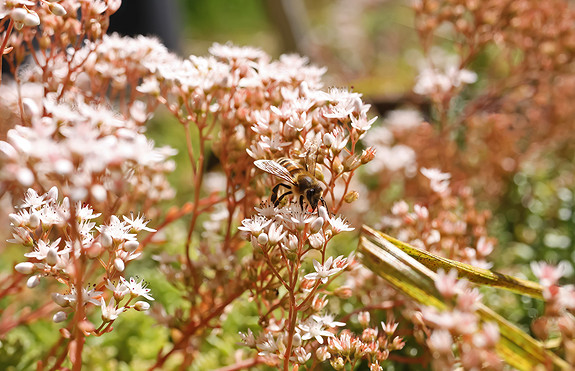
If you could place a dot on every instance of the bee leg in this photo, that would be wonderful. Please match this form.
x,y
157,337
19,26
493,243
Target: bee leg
x,y
275,191
277,202
301,202
324,204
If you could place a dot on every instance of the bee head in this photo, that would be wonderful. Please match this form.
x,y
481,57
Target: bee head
x,y
313,196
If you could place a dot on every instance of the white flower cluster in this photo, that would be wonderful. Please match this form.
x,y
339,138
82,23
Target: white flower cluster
x,y
272,341
441,72
58,240
89,151
290,228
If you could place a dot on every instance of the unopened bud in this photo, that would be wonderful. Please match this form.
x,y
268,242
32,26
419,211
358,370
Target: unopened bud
x,y
328,140
351,196
322,212
367,155
292,243
59,317
94,250
119,265
322,353
25,267
30,108
317,224
343,292
18,14
34,221
263,239
33,281
52,257
18,25
31,19
106,240
142,306
57,9
363,318
60,300
53,194
44,42
296,340
337,166
369,335
540,328
306,284
99,192
15,219
131,246
351,163
318,303
337,363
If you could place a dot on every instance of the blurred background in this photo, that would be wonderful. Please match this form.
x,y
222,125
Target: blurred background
x,y
374,48
366,44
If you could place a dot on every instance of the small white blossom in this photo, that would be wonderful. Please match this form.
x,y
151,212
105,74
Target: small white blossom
x,y
248,338
255,225
109,312
328,320
138,223
339,225
89,295
42,250
314,329
137,288
322,272
439,181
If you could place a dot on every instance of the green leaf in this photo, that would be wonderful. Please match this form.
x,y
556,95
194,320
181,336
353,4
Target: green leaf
x,y
411,271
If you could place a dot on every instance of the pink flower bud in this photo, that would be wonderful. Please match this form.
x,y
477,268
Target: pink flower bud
x,y
318,303
368,335
343,292
367,155
94,250
363,318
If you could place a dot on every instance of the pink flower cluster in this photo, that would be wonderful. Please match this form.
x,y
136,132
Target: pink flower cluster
x,y
89,151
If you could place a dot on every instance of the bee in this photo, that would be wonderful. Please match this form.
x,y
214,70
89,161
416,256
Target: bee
x,y
299,181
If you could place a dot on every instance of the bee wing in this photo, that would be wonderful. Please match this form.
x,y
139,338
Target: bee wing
x,y
276,169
